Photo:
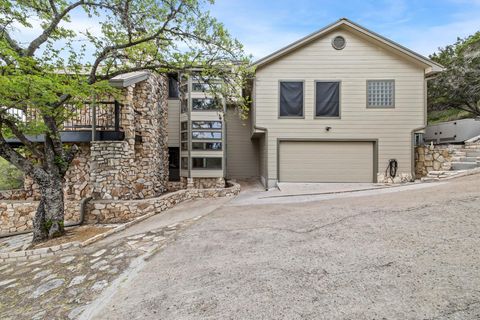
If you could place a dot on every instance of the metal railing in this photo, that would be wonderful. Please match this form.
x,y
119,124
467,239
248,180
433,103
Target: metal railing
x,y
104,114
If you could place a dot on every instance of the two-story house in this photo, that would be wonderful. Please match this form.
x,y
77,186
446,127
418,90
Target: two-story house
x,y
335,106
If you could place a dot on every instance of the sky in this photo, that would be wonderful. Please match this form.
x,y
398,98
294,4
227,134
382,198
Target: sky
x,y
264,26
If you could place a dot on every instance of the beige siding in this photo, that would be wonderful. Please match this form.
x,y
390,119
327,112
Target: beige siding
x,y
313,161
360,61
173,123
242,158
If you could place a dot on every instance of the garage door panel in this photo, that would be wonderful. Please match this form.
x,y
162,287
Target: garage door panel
x,y
326,161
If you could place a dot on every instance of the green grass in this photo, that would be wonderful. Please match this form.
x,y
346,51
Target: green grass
x,y
10,176
447,115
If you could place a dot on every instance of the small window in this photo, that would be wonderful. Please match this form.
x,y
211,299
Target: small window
x,y
201,104
200,87
215,146
380,93
172,86
184,146
327,99
206,135
206,125
184,136
183,105
184,126
291,99
184,163
207,163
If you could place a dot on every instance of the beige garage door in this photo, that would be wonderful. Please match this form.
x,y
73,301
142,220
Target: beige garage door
x,y
326,161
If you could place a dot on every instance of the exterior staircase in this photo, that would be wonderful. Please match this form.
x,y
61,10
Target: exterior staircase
x,y
465,160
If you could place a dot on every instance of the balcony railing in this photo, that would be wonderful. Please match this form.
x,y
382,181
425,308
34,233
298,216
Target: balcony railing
x,y
99,121
105,115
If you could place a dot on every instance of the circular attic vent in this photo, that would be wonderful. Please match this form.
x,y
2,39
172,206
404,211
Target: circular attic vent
x,y
338,42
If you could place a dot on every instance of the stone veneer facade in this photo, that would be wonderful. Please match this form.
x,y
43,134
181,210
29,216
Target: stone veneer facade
x,y
432,158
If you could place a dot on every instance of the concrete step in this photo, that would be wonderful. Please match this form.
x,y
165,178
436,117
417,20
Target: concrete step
x,y
464,159
464,165
473,153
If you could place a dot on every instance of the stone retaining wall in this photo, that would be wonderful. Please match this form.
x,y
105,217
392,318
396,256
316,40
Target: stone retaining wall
x,y
17,216
432,158
117,211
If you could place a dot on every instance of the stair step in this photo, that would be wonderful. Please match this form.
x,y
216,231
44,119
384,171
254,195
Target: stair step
x,y
473,153
464,159
464,165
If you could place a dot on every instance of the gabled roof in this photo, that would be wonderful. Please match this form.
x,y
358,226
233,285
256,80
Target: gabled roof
x,y
431,66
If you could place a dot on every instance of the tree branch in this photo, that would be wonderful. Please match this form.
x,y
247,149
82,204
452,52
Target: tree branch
x,y
105,52
23,139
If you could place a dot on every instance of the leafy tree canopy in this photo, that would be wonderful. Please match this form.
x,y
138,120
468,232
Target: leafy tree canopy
x,y
458,87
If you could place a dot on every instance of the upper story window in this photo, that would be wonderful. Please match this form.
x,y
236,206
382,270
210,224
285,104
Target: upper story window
x,y
380,93
183,105
327,99
204,104
173,86
206,125
291,99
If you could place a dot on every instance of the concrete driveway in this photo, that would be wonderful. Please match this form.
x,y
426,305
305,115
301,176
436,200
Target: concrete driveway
x,y
404,254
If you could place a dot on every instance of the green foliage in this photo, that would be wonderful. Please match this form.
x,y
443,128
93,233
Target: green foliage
x,y
458,87
51,77
447,115
10,177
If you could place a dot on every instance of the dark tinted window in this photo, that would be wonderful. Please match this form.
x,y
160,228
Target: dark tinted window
x,y
327,99
291,99
207,146
207,163
185,163
199,104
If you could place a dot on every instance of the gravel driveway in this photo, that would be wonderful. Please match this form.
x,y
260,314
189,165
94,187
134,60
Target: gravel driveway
x,y
411,254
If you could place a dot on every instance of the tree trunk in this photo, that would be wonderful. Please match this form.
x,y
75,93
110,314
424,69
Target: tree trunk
x,y
49,218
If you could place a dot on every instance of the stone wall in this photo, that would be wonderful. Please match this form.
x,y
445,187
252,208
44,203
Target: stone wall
x,y
137,167
77,178
111,169
17,216
118,211
203,183
432,158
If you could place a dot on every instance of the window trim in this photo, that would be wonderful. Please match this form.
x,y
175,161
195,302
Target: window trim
x,y
279,98
380,107
339,100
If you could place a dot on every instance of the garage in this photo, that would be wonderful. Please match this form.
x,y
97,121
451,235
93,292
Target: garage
x,y
326,161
